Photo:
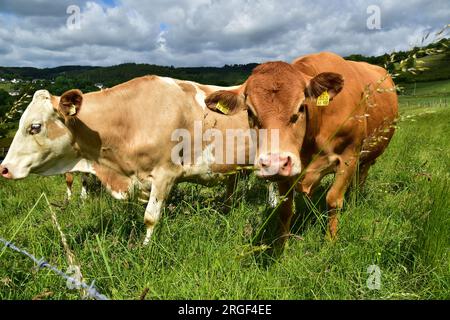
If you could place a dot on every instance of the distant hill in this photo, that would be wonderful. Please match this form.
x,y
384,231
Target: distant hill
x,y
109,76
438,69
87,76
438,65
29,73
227,75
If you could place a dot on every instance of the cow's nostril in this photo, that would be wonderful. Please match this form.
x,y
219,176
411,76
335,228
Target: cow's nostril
x,y
5,171
264,162
288,162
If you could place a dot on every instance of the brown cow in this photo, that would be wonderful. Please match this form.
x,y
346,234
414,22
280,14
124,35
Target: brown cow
x,y
341,136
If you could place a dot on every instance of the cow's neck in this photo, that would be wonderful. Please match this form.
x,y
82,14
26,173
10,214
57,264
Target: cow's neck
x,y
98,142
99,127
313,122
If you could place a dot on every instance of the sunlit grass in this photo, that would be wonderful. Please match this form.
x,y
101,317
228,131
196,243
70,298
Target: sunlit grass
x,y
399,222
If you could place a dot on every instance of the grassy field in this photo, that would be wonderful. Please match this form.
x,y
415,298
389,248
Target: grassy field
x,y
438,68
425,94
400,222
438,65
6,86
432,88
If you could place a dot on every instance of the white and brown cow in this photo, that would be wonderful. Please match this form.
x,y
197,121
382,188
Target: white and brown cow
x,y
350,127
126,136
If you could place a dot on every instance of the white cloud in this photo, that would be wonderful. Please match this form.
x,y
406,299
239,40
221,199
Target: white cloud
x,y
206,32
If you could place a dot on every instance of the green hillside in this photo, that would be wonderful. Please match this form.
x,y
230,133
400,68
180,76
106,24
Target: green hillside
x,y
227,75
29,73
435,57
438,68
84,77
430,88
110,76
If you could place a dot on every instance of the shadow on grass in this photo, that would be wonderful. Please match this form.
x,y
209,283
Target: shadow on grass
x,y
109,218
308,212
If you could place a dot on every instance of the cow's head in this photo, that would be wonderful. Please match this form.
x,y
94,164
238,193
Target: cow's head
x,y
43,143
276,97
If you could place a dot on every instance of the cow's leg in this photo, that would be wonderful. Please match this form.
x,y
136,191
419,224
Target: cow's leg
x,y
69,184
160,190
363,171
345,172
286,211
84,183
315,172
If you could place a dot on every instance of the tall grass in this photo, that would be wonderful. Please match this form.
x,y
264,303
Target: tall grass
x,y
399,222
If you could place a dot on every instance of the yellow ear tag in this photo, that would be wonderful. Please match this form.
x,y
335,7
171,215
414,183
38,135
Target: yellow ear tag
x,y
73,110
323,100
222,108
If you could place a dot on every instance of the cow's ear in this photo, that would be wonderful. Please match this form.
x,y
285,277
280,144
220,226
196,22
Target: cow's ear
x,y
326,81
70,103
225,102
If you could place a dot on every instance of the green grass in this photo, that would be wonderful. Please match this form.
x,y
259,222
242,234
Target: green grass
x,y
400,222
438,67
425,94
6,86
432,88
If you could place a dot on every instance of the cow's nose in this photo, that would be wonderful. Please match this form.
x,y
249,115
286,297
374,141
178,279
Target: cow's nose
x,y
285,165
275,164
5,172
264,161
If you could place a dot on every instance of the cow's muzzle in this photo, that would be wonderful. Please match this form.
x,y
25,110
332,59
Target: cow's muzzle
x,y
5,172
277,165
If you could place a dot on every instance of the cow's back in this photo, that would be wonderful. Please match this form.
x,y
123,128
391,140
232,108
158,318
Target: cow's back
x,y
133,118
382,107
138,124
349,106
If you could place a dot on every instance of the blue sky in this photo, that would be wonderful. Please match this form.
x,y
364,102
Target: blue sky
x,y
110,3
207,32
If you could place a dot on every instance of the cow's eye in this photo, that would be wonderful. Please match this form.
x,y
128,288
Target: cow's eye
x,y
35,128
295,116
301,109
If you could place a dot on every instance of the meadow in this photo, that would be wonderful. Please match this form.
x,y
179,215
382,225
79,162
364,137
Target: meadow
x,y
399,222
6,86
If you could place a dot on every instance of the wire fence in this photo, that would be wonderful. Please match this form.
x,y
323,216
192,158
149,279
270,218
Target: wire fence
x,y
90,290
73,282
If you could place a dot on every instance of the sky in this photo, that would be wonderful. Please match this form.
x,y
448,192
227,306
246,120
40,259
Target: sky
x,y
49,33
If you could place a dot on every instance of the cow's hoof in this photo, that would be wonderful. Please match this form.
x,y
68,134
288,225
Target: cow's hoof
x,y
146,241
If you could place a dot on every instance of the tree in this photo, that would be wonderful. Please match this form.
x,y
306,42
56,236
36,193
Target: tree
x,y
5,102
